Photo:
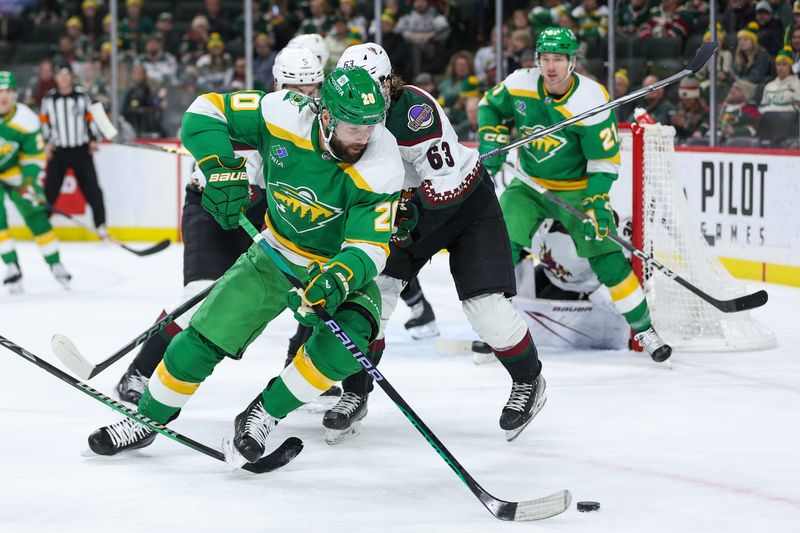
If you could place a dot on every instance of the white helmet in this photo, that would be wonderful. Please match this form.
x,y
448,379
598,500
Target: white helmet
x,y
315,43
296,66
372,58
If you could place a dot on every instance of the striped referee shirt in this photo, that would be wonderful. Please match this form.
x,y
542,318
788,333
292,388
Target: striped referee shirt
x,y
66,119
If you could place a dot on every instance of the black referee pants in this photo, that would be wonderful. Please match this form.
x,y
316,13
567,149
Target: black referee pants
x,y
81,162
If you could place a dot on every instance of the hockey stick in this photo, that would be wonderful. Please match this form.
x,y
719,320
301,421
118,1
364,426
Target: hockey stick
x,y
287,451
110,132
742,303
528,510
141,253
701,57
69,354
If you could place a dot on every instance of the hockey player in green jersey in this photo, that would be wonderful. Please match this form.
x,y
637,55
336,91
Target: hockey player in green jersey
x,y
333,178
453,207
22,159
578,163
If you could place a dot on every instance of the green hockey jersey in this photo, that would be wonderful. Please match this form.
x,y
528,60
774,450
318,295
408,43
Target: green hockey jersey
x,y
567,159
318,208
21,147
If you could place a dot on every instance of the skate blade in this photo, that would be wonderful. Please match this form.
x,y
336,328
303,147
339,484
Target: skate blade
x,y
233,458
320,405
484,358
426,331
338,436
87,452
512,434
14,288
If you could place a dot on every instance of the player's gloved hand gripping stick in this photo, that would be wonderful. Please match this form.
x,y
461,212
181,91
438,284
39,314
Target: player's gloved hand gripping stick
x,y
528,510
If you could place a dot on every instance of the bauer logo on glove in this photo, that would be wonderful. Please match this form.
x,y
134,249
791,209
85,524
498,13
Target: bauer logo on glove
x,y
228,176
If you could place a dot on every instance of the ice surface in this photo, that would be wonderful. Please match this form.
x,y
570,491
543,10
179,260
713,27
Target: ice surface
x,y
711,445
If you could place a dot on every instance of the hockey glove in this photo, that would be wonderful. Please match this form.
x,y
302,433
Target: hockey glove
x,y
490,138
328,287
595,205
226,193
405,221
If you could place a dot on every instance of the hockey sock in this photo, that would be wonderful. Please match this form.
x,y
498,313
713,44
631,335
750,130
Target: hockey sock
x,y
361,382
189,360
521,361
153,349
299,383
43,234
48,246
7,251
412,293
614,271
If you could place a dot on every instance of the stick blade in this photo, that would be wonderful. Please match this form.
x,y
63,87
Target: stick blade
x,y
149,251
285,453
542,508
702,55
69,354
751,301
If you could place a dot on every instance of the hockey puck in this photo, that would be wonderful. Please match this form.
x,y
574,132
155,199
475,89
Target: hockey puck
x,y
586,507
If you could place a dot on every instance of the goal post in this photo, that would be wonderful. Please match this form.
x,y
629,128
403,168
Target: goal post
x,y
664,227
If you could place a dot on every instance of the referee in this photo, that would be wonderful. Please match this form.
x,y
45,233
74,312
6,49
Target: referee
x,y
70,132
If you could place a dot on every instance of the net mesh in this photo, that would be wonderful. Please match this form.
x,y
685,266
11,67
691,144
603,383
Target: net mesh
x,y
671,236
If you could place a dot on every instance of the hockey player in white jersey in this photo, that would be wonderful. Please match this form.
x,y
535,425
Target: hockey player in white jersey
x,y
208,249
314,42
453,207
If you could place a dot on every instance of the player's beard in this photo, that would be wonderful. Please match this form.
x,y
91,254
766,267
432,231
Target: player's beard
x,y
343,151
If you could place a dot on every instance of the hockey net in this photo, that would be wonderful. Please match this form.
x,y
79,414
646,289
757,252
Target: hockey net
x,y
664,227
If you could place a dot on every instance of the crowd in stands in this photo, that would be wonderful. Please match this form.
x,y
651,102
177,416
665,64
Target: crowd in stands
x,y
172,50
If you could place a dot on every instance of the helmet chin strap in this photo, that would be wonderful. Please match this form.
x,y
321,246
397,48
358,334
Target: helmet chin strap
x,y
327,136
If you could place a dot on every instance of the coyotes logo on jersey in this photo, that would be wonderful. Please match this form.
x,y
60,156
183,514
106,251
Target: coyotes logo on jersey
x,y
555,268
300,208
543,148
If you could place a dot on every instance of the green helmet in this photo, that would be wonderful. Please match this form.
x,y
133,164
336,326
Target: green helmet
x,y
8,80
352,96
557,41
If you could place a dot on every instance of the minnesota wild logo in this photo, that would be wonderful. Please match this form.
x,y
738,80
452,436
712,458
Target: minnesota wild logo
x,y
300,208
543,148
8,149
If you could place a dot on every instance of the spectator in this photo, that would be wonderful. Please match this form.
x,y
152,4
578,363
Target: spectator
x,y
592,21
737,117
632,15
622,84
74,30
67,52
194,43
691,118
237,82
395,45
263,60
218,19
337,38
320,20
724,64
527,58
135,26
520,41
794,42
488,52
179,98
161,66
94,85
460,68
260,22
40,84
770,30
738,15
425,82
794,25
70,139
140,106
520,22
424,24
347,11
545,15
92,21
467,129
668,19
170,40
490,72
750,62
782,10
215,67
656,103
782,93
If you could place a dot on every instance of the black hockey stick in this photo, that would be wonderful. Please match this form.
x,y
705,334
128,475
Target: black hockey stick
x,y
528,510
287,451
69,354
742,303
701,57
141,253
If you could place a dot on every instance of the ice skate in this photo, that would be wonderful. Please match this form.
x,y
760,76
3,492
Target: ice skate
x,y
13,279
650,341
422,324
482,353
102,232
61,274
525,402
251,428
127,434
343,420
131,386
